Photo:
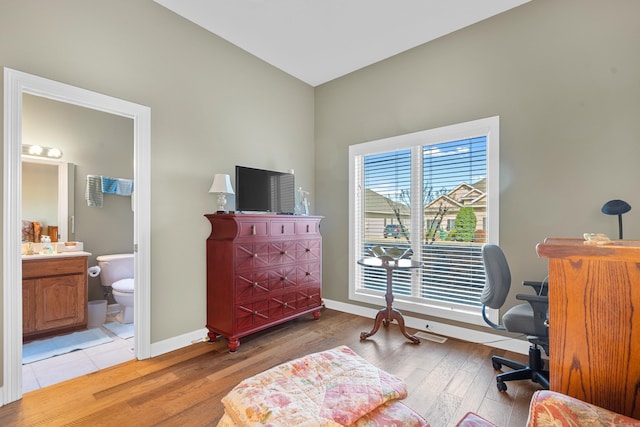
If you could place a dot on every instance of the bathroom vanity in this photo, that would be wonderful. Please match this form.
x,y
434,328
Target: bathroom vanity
x,y
54,294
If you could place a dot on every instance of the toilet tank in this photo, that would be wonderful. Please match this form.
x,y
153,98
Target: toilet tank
x,y
115,267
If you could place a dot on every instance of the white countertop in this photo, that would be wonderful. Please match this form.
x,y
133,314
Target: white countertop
x,y
68,254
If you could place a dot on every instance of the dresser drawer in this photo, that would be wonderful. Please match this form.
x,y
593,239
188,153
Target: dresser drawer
x,y
283,305
308,273
307,227
251,255
252,314
253,229
250,285
307,250
282,278
308,297
283,252
282,228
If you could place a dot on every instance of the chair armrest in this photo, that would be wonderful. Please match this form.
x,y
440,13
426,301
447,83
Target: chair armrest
x,y
541,288
552,408
540,306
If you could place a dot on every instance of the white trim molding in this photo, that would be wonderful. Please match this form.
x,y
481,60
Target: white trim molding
x,y
17,83
457,332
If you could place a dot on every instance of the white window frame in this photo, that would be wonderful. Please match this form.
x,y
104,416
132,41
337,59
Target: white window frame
x,y
488,127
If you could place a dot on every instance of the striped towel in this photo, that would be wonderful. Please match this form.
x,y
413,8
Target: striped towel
x,y
93,194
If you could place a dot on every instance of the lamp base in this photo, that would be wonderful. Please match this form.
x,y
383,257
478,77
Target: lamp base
x,y
222,201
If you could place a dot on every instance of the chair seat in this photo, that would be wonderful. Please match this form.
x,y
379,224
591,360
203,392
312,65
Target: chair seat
x,y
520,318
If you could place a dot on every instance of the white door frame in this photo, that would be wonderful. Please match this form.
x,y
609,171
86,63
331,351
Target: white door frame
x,y
17,83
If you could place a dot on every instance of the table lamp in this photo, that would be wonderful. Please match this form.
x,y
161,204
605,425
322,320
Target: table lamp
x,y
221,186
616,207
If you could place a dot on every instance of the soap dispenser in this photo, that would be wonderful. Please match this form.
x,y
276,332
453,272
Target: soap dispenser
x,y
47,248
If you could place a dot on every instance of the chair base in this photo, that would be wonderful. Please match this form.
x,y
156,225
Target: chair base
x,y
534,371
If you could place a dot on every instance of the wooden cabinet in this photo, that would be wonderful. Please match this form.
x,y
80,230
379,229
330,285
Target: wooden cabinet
x,y
262,270
54,296
594,322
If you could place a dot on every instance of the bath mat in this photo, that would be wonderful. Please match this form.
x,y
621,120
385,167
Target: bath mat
x,y
122,330
46,348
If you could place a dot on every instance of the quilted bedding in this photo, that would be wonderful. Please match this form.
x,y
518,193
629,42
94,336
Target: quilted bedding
x,y
331,388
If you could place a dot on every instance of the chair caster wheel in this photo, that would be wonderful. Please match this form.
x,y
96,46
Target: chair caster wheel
x,y
496,365
501,385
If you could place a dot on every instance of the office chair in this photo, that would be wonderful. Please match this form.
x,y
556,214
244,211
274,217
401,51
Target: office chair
x,y
529,318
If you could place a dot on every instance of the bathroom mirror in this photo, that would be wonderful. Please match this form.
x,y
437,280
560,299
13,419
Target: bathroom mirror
x,y
47,198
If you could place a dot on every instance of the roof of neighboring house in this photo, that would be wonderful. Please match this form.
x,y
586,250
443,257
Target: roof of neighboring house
x,y
377,203
463,195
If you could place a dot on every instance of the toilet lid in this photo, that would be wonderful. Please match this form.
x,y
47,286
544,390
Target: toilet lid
x,y
123,285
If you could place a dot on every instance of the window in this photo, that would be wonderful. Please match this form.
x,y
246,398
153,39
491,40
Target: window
x,y
439,188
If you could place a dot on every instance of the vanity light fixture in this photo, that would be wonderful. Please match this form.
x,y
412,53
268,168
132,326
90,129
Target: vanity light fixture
x,y
40,151
222,186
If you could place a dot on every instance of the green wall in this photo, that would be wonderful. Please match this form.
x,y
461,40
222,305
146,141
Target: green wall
x,y
564,77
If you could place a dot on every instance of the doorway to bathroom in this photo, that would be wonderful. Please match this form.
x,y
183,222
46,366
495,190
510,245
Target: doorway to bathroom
x,y
17,86
87,143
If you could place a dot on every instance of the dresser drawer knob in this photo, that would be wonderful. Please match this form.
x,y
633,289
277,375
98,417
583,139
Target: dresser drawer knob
x,y
286,305
255,255
307,228
282,229
255,284
283,252
308,273
307,250
283,278
255,312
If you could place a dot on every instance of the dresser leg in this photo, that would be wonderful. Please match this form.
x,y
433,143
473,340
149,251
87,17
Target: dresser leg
x,y
233,345
213,337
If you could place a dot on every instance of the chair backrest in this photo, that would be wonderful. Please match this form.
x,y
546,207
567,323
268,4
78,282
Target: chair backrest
x,y
498,275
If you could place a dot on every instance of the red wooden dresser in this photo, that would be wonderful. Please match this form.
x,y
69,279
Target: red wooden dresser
x,y
262,270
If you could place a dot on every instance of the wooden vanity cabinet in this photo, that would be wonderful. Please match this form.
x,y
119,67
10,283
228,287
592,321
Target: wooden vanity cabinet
x,y
54,296
262,270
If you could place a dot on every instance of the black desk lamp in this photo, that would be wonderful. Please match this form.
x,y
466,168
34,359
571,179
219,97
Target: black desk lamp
x,y
616,207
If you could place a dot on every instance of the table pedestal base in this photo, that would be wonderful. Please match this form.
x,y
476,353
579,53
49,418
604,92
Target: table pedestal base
x,y
386,316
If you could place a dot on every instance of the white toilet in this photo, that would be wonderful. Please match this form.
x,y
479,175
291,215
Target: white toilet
x,y
117,271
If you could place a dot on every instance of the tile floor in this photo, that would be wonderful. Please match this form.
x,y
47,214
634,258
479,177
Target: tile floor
x,y
61,368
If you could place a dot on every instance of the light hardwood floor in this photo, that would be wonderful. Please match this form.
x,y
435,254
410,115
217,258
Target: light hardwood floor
x,y
184,387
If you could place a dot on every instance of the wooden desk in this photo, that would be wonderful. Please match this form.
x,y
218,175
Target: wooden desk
x,y
594,321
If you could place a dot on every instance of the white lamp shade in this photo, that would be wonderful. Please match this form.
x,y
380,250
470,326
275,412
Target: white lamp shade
x,y
221,184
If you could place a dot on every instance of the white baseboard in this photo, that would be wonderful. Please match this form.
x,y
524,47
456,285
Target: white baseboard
x,y
486,338
489,339
175,343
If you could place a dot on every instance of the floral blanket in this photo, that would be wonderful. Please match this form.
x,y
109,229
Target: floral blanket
x,y
331,388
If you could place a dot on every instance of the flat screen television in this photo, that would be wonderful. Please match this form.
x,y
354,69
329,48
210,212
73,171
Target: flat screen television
x,y
259,190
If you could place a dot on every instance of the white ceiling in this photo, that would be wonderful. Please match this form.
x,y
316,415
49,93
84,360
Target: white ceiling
x,y
320,40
